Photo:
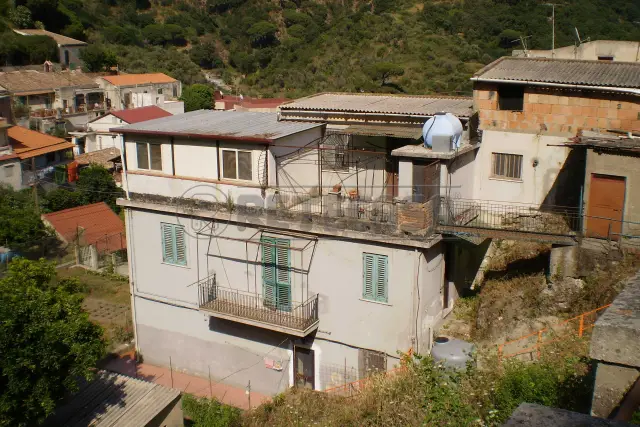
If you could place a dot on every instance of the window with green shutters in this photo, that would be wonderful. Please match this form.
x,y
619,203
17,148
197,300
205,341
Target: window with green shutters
x,y
174,250
276,273
375,276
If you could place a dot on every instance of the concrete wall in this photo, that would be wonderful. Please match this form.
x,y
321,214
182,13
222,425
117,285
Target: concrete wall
x,y
102,138
626,51
11,173
557,111
74,55
168,323
141,95
458,176
627,166
539,184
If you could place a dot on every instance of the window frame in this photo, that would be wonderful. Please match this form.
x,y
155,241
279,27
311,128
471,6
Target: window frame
x,y
506,103
376,295
494,166
236,151
174,260
149,158
275,275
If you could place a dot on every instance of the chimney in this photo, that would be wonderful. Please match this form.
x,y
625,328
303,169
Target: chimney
x,y
48,66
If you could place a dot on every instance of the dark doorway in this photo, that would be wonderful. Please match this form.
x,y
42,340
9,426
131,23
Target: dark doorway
x,y
304,367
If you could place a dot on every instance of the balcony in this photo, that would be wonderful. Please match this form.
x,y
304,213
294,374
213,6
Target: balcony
x,y
298,319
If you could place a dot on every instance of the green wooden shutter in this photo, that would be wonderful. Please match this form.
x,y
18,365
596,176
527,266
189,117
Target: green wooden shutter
x,y
168,252
180,245
268,271
381,278
368,268
375,277
283,274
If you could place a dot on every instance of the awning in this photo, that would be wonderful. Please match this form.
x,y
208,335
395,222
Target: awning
x,y
406,132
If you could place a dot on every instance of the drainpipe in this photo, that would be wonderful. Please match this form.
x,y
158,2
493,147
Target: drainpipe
x,y
416,301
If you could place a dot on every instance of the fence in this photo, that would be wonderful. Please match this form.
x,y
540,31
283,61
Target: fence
x,y
337,206
253,306
578,325
545,219
109,251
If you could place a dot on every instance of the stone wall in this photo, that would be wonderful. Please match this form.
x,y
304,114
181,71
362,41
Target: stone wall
x,y
558,110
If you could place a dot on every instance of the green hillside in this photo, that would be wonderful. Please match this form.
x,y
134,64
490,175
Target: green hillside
x,y
292,48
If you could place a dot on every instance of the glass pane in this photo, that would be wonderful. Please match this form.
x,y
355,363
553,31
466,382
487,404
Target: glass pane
x,y
229,164
156,156
143,155
244,165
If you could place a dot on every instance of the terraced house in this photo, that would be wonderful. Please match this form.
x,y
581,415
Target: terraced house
x,y
260,251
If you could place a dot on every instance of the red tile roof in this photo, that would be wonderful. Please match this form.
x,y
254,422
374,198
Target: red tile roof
x,y
142,114
138,79
97,224
28,143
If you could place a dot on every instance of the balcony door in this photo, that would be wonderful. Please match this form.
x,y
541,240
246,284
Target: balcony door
x,y
276,273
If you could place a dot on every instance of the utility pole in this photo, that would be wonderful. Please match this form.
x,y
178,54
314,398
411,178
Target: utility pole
x,y
553,27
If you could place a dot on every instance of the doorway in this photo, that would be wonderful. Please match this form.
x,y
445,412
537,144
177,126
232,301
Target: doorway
x,y
304,367
606,206
391,179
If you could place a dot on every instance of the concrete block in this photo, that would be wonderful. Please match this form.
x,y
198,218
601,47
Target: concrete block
x,y
612,384
563,261
531,415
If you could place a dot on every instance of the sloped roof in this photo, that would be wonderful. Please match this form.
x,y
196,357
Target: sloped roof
x,y
383,104
138,79
211,124
113,400
28,143
59,38
32,82
142,114
104,157
565,71
97,224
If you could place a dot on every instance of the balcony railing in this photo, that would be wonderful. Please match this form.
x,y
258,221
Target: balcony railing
x,y
294,318
338,206
465,214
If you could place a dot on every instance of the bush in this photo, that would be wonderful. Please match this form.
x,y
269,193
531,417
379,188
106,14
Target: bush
x,y
97,57
16,49
205,412
197,97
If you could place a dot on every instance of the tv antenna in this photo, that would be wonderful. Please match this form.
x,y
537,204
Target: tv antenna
x,y
553,27
578,36
523,42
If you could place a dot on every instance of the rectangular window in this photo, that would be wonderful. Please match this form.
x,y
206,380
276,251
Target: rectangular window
x,y
174,250
159,91
506,166
276,273
149,156
8,171
237,164
511,97
375,276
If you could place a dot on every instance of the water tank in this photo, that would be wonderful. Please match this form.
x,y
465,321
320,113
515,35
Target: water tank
x,y
452,352
441,125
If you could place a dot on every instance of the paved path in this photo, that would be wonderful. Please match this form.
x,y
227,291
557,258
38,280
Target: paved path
x,y
197,386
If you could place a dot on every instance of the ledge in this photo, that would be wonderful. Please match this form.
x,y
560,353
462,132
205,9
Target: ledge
x,y
271,326
421,152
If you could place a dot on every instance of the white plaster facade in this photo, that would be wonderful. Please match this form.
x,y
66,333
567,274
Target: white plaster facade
x,y
610,50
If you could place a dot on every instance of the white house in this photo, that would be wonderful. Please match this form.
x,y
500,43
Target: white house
x,y
126,91
98,136
245,264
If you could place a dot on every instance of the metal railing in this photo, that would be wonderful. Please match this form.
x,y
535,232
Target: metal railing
x,y
253,306
337,206
533,342
508,216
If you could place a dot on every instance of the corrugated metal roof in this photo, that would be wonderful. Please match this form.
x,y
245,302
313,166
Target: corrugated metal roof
x,y
113,400
565,71
406,132
383,104
210,124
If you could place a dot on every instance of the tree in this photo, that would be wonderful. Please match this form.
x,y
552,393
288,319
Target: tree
x,y
61,199
46,340
21,17
96,184
20,226
97,57
262,34
197,97
383,71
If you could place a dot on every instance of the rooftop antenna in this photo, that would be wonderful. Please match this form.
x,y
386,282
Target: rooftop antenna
x,y
578,36
523,41
553,27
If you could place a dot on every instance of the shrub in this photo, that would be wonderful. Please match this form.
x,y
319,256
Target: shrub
x,y
205,412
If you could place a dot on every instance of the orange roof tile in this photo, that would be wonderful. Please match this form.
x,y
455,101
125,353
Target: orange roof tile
x,y
97,225
138,79
28,143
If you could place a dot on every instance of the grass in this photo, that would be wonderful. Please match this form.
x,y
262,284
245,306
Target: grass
x,y
110,288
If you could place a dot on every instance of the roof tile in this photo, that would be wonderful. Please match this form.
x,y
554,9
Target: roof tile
x,y
142,114
28,143
138,79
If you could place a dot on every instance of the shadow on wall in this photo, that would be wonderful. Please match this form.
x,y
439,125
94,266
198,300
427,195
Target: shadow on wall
x,y
248,332
566,190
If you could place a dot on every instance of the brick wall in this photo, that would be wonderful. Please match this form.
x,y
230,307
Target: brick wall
x,y
558,111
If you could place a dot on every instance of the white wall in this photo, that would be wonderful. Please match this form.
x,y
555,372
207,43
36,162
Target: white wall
x,y
330,267
457,176
536,181
296,169
101,138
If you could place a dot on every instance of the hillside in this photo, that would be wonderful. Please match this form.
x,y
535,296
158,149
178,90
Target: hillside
x,y
293,48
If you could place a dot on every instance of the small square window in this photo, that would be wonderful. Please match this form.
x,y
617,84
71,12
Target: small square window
x,y
237,164
174,248
149,156
511,97
375,277
160,91
506,166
